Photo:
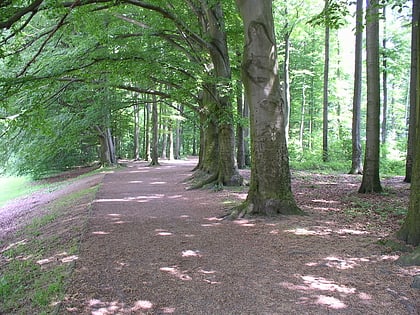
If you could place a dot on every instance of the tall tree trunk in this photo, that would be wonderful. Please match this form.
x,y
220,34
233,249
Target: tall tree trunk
x,y
270,188
286,76
178,140
107,150
413,92
410,230
171,140
194,144
325,99
147,132
371,181
155,134
302,116
227,172
164,155
384,85
136,132
356,159
240,141
165,130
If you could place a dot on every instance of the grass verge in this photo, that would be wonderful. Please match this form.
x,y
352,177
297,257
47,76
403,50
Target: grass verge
x,y
36,265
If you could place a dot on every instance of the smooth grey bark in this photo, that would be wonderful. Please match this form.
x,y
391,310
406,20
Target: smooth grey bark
x,y
371,181
270,188
413,94
356,157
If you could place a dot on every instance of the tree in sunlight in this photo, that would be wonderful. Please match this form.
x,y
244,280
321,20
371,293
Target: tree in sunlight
x,y
270,189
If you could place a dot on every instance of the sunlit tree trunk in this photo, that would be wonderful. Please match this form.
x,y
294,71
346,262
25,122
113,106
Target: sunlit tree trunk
x,y
356,160
371,181
270,188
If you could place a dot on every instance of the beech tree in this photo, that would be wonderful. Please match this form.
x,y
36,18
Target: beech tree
x,y
410,230
356,160
413,92
270,188
371,181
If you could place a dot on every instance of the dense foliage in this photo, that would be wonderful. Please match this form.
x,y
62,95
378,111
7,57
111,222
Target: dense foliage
x,y
72,73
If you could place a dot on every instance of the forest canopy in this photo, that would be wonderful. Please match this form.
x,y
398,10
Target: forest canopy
x,y
79,80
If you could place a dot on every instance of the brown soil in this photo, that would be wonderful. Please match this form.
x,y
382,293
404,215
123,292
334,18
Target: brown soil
x,y
153,247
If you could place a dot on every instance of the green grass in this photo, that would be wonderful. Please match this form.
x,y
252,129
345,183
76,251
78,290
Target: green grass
x,y
26,286
13,187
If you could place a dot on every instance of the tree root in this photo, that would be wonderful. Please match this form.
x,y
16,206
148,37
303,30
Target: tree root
x,y
201,183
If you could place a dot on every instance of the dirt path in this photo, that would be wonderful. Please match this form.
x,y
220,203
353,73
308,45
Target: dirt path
x,y
153,247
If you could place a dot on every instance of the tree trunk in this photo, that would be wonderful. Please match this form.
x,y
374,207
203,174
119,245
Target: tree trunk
x,y
136,132
227,172
240,141
413,93
270,189
165,130
410,230
371,181
384,126
356,160
171,140
325,99
302,115
286,70
178,135
155,134
147,132
107,150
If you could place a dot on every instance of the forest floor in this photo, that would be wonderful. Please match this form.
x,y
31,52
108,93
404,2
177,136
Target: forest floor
x,y
150,246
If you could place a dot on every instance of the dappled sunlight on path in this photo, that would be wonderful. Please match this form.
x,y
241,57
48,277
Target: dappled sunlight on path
x,y
154,247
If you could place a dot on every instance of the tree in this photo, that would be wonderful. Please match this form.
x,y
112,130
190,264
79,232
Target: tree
x,y
413,93
371,181
270,188
410,230
356,160
325,89
155,134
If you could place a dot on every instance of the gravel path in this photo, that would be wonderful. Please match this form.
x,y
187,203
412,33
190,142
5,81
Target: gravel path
x,y
153,247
